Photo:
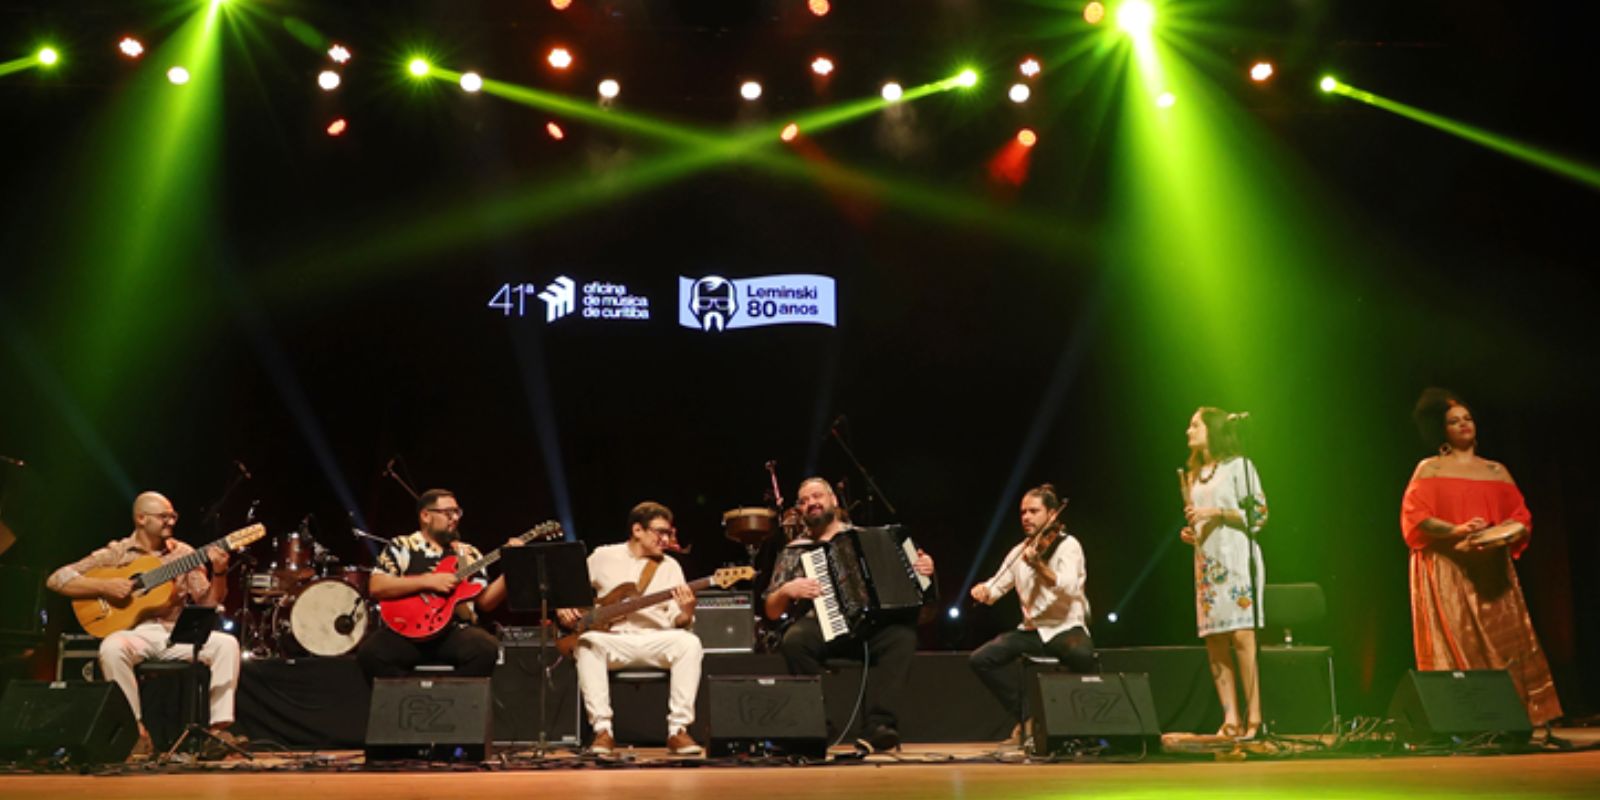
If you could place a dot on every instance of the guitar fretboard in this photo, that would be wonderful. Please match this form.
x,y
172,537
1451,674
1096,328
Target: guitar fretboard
x,y
180,565
629,606
547,530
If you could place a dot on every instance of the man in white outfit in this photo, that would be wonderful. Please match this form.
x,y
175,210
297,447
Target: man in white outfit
x,y
655,636
153,523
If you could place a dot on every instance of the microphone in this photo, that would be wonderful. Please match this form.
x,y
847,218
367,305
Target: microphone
x,y
1240,416
771,465
243,470
838,421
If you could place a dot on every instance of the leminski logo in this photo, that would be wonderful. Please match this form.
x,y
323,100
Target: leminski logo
x,y
560,298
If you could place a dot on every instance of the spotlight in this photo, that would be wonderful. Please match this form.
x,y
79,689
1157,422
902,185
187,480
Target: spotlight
x,y
561,5
130,47
967,78
750,90
328,80
1093,13
609,89
559,58
338,127
819,7
471,82
1112,617
555,131
1328,83
892,92
339,53
1030,67
1261,71
178,76
48,56
1136,17
955,612
822,65
1166,100
419,68
1020,93
1027,138
789,132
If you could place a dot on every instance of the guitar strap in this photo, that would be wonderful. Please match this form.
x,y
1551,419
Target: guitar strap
x,y
648,573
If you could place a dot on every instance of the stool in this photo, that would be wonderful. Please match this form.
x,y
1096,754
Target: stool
x,y
158,680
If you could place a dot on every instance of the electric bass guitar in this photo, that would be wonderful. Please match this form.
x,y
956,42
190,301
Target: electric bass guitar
x,y
424,614
625,599
152,592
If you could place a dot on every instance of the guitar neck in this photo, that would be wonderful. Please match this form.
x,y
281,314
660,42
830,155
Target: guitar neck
x,y
626,607
178,566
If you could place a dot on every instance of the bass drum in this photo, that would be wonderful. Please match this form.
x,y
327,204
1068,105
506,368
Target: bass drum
x,y
328,617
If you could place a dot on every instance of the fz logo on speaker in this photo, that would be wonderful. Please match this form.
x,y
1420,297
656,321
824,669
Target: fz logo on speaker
x,y
423,714
560,298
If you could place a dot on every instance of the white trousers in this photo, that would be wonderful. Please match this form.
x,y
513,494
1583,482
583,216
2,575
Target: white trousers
x,y
122,651
599,652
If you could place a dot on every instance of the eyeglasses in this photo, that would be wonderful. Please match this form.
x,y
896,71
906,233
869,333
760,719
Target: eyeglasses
x,y
170,516
663,531
449,512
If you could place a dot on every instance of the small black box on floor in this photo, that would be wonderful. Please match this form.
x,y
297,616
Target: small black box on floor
x,y
89,723
1114,706
432,719
516,693
725,622
1433,707
766,716
78,658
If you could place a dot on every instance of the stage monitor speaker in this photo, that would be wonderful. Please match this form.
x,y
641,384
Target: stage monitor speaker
x,y
430,719
1435,707
766,716
725,622
516,695
1114,706
88,723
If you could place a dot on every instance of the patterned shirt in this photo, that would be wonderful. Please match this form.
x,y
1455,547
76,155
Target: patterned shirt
x,y
192,586
416,554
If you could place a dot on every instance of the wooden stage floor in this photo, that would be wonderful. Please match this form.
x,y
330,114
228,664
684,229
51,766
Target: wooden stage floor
x,y
953,771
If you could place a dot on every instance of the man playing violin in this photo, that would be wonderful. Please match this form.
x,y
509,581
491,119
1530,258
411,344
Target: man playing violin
x,y
1047,570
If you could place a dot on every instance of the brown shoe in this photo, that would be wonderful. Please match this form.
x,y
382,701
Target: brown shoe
x,y
143,749
681,744
223,746
603,744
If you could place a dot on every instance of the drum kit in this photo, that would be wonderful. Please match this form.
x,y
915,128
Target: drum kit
x,y
304,603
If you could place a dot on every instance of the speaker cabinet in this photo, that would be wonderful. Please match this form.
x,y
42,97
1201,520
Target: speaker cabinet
x,y
1114,706
1434,707
516,696
89,723
767,716
430,719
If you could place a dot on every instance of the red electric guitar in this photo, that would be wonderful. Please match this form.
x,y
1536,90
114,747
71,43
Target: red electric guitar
x,y
424,614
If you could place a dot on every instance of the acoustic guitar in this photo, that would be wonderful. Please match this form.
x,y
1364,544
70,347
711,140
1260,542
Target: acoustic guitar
x,y
625,599
424,614
152,592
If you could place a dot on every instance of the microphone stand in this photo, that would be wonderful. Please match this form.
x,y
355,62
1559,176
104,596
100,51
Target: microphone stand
x,y
388,472
1258,619
212,516
874,492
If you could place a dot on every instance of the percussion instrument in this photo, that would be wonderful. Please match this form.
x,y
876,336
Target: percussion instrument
x,y
750,526
326,617
1498,536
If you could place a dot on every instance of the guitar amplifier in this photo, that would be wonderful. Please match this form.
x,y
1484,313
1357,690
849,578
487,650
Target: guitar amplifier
x,y
725,622
78,658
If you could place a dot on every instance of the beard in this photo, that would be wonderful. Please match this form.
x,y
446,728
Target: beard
x,y
821,519
447,535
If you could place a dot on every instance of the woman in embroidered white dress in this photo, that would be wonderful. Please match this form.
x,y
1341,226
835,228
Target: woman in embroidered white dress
x,y
1227,594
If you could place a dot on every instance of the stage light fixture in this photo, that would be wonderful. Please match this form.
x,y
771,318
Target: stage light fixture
x,y
178,76
339,53
892,92
338,127
471,82
555,131
1027,138
750,90
559,58
130,47
1019,93
789,132
561,5
955,612
819,7
1328,83
1030,67
1136,17
609,89
967,78
822,65
419,68
1261,71
48,56
1113,617
328,80
1166,100
1094,12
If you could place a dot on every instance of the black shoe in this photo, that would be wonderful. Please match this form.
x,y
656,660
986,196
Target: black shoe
x,y
883,739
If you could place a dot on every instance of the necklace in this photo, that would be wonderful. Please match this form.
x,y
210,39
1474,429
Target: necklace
x,y
1207,472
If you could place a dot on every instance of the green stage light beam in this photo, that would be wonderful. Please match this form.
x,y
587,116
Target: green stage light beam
x,y
1565,167
43,58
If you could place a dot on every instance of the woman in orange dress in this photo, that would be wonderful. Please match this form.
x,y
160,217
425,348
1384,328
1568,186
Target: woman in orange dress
x,y
1467,610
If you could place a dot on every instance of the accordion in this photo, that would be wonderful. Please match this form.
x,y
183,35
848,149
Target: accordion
x,y
867,578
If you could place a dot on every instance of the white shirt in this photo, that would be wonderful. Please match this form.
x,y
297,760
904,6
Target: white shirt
x,y
1047,608
612,565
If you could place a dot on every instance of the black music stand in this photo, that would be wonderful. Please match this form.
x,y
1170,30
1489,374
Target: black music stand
x,y
540,577
193,628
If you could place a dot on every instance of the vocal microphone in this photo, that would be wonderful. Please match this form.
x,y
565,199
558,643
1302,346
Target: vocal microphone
x,y
1239,416
243,470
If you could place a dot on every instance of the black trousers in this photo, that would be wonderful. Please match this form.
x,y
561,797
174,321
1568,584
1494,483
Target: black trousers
x,y
889,649
995,662
471,650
